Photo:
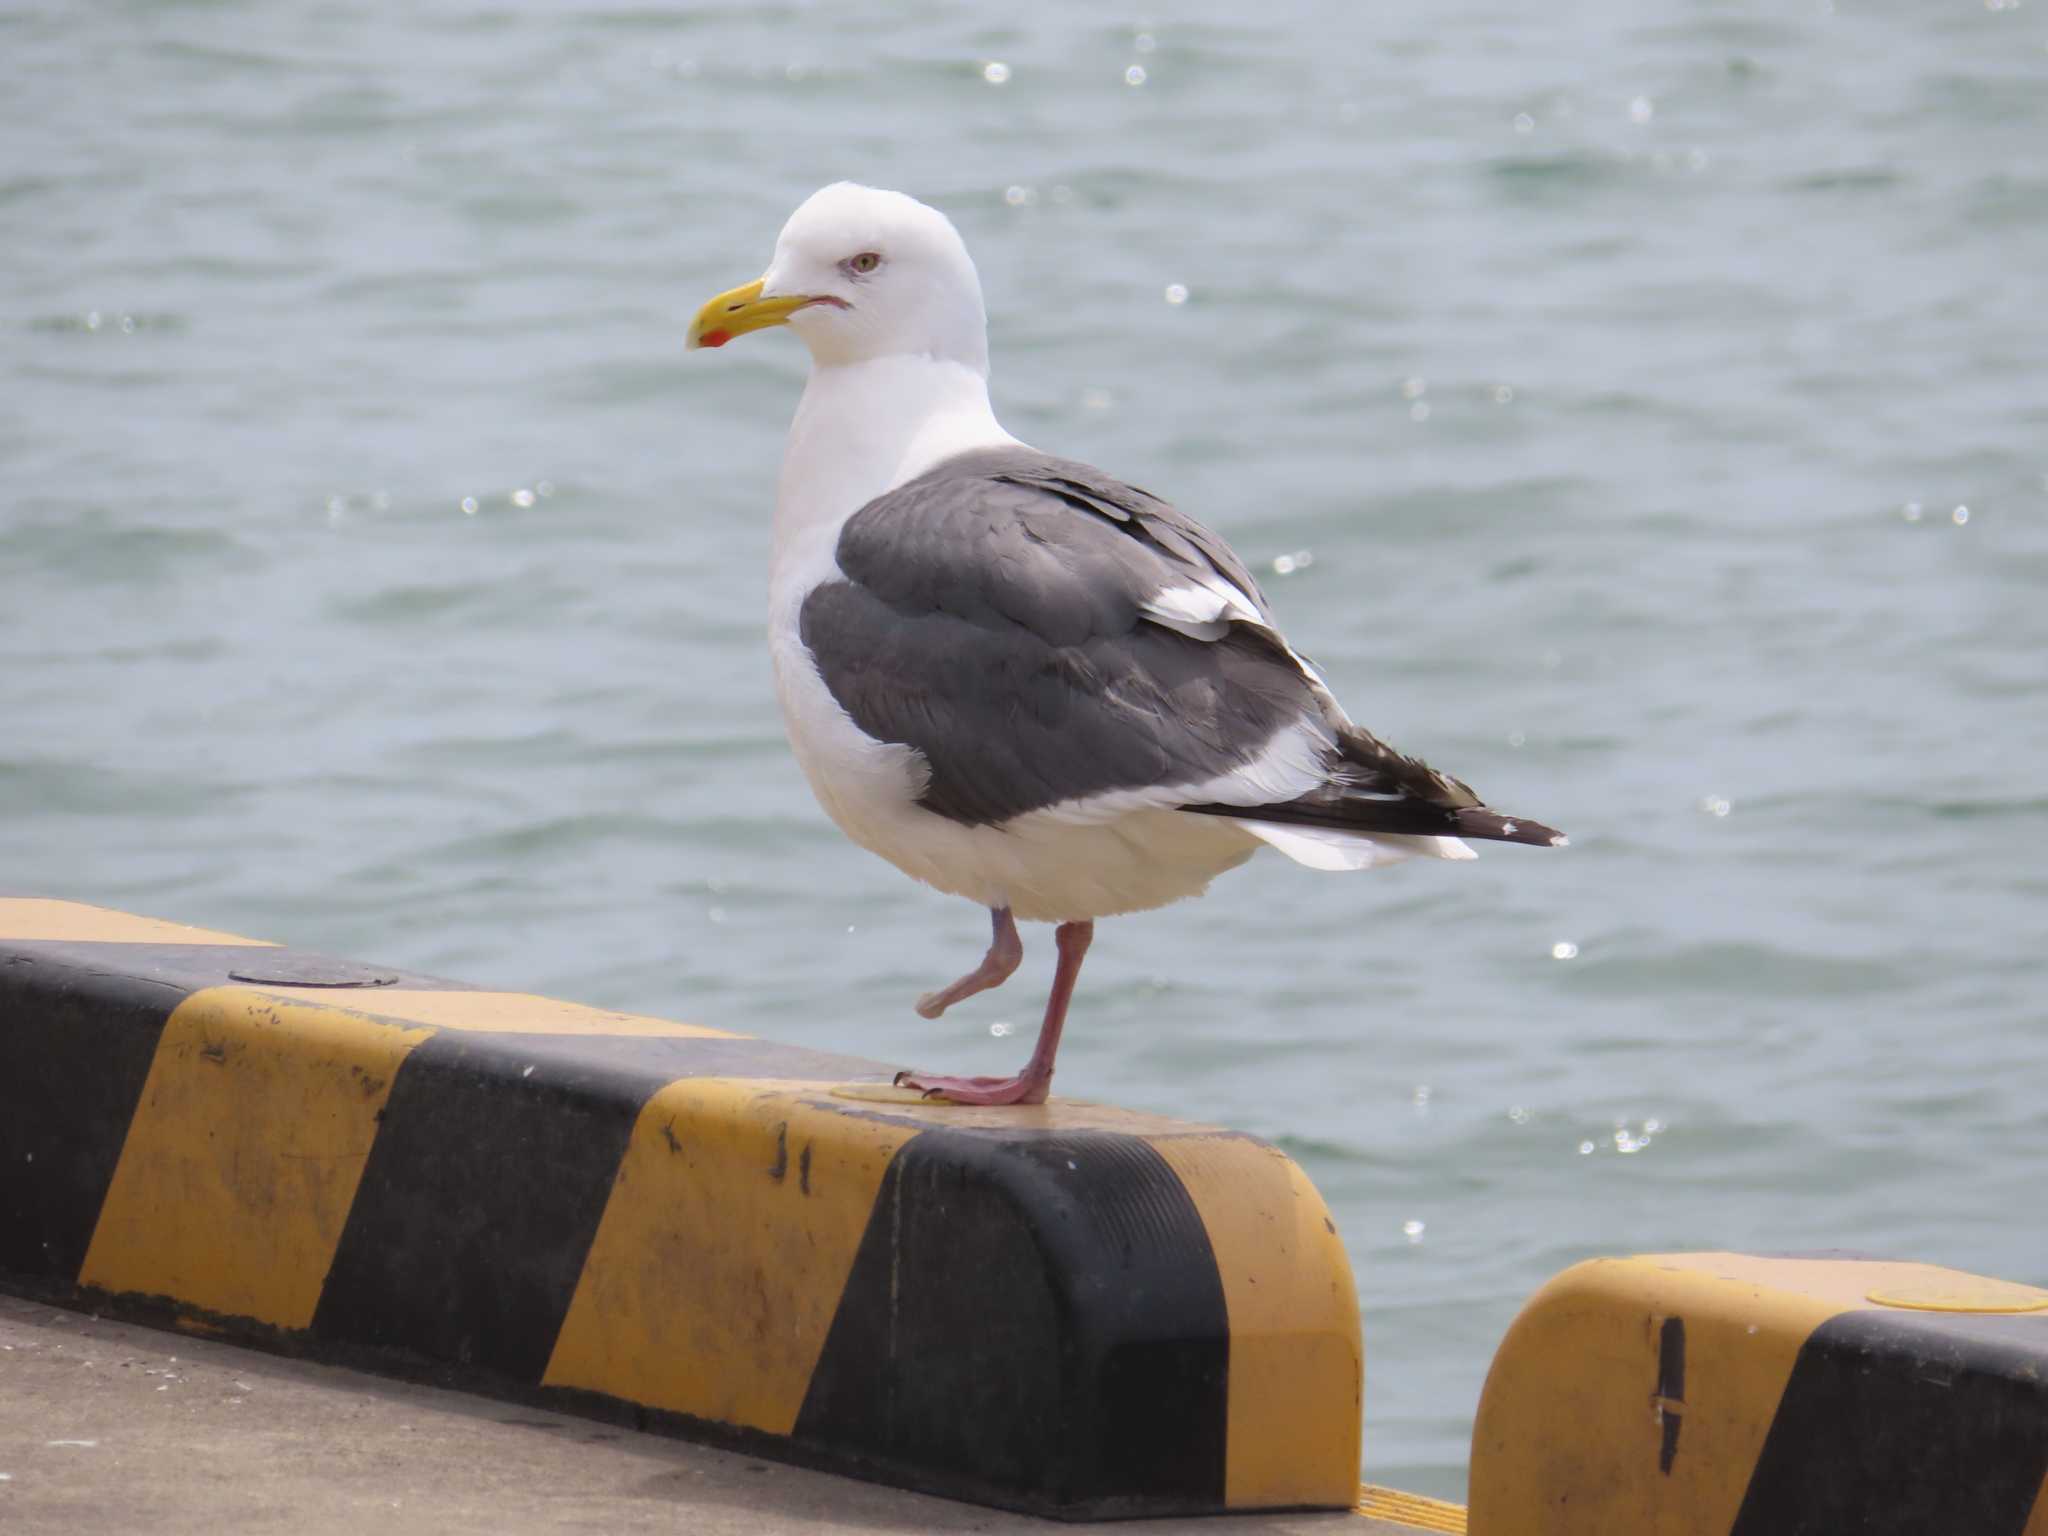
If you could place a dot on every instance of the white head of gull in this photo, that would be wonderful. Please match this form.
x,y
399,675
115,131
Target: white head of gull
x,y
1011,675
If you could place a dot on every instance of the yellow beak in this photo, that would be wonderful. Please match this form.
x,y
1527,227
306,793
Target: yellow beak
x,y
738,311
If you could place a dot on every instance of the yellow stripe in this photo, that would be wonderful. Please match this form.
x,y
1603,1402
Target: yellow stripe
x,y
720,1260
31,918
1297,1363
244,1154
1551,1417
502,1013
1411,1510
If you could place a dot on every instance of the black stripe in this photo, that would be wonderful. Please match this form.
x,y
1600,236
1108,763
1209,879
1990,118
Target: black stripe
x,y
1902,1423
1670,1389
76,1041
478,1204
1034,1321
483,1190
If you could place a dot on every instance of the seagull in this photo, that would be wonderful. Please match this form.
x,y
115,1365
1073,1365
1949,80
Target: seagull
x,y
1015,677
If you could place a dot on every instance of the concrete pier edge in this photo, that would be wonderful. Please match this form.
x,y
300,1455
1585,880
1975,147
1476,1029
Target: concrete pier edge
x,y
1070,1310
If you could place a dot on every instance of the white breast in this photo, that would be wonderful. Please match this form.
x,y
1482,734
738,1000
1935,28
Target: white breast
x,y
865,785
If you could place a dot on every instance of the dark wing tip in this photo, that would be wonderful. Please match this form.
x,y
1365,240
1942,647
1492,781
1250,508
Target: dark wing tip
x,y
1491,826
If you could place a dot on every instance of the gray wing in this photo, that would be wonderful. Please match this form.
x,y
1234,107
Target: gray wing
x,y
1042,633
996,614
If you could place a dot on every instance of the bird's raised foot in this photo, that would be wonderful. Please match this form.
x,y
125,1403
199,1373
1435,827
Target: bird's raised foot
x,y
1005,954
1024,1088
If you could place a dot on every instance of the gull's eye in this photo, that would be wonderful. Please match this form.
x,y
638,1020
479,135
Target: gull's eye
x,y
864,263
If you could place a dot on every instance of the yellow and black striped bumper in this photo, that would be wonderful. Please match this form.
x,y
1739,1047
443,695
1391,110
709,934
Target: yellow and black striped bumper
x,y
1071,1310
1725,1394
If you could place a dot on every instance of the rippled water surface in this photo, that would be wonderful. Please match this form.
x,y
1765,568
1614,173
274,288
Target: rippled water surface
x,y
1640,412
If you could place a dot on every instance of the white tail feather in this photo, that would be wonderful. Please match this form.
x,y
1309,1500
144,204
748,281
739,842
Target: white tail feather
x,y
1326,848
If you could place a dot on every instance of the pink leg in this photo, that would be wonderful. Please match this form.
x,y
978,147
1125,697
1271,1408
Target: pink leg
x,y
1005,954
1030,1085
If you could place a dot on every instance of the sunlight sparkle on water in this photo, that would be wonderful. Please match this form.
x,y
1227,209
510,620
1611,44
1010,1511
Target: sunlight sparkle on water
x,y
1287,565
1716,805
1641,110
1960,516
996,72
1176,293
1564,949
1413,1229
1135,75
1628,1142
1002,1027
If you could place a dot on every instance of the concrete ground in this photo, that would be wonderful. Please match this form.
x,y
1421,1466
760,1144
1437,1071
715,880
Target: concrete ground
x,y
106,1427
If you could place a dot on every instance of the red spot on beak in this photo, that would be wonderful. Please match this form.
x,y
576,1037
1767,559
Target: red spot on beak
x,y
714,338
